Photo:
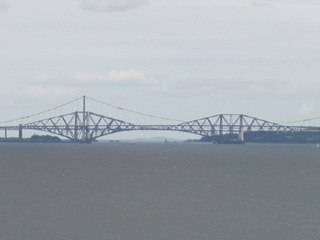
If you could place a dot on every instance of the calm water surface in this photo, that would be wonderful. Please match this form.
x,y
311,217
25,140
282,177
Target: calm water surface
x,y
118,191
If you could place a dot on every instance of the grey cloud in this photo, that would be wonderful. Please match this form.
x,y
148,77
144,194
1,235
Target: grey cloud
x,y
48,92
111,5
4,5
260,3
130,77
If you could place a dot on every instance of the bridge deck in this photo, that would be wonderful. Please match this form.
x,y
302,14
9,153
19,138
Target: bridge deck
x,y
88,126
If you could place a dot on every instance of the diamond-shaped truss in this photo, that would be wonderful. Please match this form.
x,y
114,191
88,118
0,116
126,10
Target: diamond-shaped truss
x,y
88,126
218,127
80,127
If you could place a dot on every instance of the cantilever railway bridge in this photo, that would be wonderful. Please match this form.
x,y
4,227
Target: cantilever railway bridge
x,y
87,126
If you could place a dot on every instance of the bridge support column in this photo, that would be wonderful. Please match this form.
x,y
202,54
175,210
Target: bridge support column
x,y
6,133
241,135
20,132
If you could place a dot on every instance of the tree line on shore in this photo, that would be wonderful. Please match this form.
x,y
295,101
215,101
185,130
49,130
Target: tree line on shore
x,y
273,137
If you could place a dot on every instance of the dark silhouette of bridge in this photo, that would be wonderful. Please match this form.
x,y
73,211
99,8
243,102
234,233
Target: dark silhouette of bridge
x,y
86,126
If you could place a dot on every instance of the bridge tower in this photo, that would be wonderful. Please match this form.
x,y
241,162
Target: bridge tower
x,y
85,123
220,137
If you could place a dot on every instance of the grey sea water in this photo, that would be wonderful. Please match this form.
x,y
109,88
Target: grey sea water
x,y
118,191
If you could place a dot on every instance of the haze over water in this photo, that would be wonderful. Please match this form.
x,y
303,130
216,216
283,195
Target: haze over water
x,y
118,191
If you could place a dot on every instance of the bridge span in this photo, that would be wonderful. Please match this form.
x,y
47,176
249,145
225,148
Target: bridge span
x,y
87,126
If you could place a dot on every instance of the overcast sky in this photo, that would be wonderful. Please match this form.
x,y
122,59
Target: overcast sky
x,y
181,59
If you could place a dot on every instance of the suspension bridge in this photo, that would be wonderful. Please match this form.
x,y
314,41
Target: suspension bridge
x,y
86,126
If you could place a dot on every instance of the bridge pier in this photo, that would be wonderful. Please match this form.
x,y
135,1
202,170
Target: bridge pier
x,y
20,132
241,135
229,140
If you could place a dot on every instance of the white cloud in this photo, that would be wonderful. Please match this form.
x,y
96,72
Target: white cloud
x,y
48,92
42,78
307,108
116,77
111,5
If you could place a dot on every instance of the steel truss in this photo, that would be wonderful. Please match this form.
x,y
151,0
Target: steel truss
x,y
82,126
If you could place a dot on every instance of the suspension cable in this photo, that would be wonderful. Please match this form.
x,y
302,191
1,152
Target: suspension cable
x,y
136,112
302,120
32,115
